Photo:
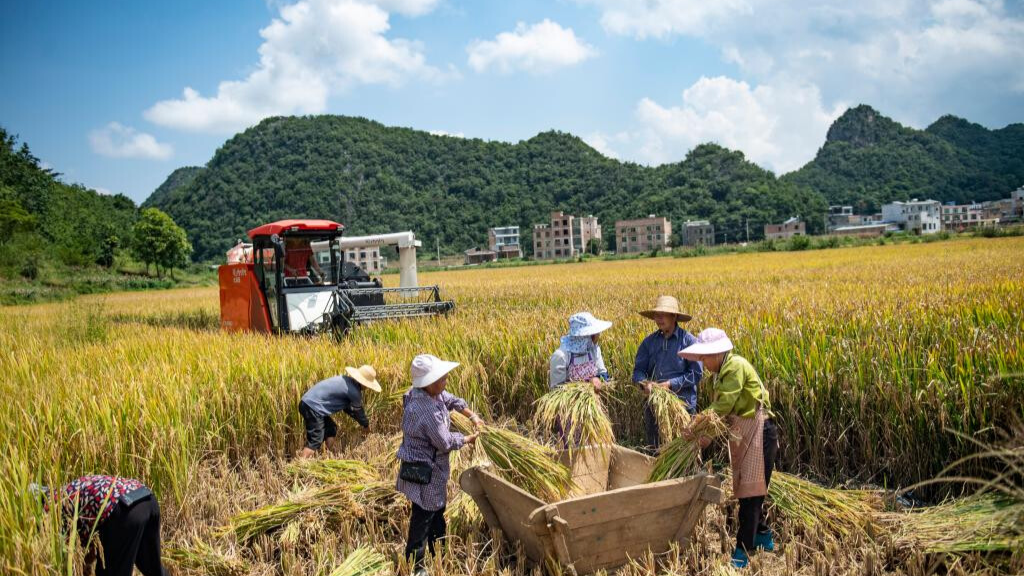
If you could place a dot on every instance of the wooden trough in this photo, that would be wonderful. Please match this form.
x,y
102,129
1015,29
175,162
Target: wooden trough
x,y
612,517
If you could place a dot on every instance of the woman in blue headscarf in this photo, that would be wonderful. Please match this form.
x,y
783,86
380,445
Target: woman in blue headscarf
x,y
578,358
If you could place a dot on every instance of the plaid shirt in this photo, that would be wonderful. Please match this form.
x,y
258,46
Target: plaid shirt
x,y
96,498
426,437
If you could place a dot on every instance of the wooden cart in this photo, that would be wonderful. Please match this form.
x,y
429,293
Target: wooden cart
x,y
612,517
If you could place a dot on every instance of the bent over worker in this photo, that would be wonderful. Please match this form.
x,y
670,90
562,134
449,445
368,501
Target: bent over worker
x,y
741,398
342,393
122,513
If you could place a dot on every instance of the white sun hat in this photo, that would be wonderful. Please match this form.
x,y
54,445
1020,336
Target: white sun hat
x,y
427,369
710,341
585,324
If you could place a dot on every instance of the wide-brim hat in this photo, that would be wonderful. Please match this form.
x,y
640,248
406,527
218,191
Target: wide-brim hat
x,y
667,305
710,341
585,324
427,369
365,375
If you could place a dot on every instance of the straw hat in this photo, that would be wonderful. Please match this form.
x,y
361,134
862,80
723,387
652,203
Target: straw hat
x,y
668,305
427,369
585,324
710,341
365,375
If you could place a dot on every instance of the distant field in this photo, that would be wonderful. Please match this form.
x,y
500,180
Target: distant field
x,y
874,358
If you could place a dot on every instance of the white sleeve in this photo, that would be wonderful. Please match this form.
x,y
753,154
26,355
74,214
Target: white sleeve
x,y
600,362
557,369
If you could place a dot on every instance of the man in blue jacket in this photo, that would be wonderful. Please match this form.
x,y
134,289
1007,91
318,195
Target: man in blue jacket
x,y
342,393
658,362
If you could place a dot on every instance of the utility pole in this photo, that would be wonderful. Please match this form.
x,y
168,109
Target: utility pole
x,y
746,224
437,240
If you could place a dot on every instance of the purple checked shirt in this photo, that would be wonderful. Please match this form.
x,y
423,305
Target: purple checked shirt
x,y
426,437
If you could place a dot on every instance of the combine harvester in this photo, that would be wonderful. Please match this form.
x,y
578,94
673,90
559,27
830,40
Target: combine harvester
x,y
293,278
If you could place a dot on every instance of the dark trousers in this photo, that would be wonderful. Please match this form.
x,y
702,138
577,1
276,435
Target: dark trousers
x,y
651,434
425,527
132,538
751,513
318,428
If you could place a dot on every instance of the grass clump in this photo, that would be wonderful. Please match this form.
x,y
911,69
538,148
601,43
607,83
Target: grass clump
x,y
334,471
681,456
670,413
363,562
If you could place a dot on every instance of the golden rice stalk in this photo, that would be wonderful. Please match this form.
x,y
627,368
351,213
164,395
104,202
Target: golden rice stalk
x,y
670,413
334,471
333,500
983,523
363,562
201,558
840,512
463,514
521,461
574,408
681,457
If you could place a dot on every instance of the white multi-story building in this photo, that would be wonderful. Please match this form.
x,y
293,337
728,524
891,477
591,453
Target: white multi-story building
x,y
918,216
504,242
960,216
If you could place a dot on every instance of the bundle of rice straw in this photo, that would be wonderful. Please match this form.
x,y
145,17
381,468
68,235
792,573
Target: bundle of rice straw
x,y
840,512
521,461
202,558
363,562
574,412
463,515
981,523
670,413
681,457
331,500
334,471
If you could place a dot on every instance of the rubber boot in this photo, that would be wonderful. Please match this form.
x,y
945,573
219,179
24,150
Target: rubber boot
x,y
764,541
739,558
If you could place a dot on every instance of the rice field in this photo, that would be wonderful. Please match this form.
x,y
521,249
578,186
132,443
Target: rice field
x,y
878,360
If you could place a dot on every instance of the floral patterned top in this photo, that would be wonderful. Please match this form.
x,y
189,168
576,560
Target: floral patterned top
x,y
96,498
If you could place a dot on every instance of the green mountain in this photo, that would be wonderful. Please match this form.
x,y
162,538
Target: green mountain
x,y
868,159
45,222
376,179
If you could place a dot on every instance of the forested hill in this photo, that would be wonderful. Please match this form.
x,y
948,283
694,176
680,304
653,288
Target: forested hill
x,y
868,159
47,223
376,179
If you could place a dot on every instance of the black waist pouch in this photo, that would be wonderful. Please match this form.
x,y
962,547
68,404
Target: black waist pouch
x,y
416,472
129,499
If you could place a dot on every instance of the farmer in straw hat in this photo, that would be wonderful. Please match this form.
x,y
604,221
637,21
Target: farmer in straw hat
x,y
741,398
342,393
427,441
658,362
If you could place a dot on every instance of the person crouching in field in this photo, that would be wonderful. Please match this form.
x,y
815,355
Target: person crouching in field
x,y
427,441
578,358
121,513
342,393
658,362
741,398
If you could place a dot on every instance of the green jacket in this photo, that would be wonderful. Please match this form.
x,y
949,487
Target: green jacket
x,y
737,389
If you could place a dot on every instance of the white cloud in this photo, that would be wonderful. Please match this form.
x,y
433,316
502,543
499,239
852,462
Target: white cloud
x,y
539,48
607,144
917,59
116,140
408,7
780,127
446,133
313,50
103,191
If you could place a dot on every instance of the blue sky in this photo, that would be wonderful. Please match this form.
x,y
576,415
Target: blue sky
x,y
98,89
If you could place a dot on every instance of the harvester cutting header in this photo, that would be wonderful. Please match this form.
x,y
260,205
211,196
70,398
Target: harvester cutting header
x,y
293,277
